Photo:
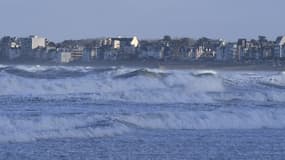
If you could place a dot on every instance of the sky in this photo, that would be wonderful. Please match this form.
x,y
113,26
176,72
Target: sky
x,y
58,20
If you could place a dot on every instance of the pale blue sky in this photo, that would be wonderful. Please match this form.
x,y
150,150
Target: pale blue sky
x,y
75,19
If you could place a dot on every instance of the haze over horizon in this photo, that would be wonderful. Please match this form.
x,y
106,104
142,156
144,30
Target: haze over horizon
x,y
74,19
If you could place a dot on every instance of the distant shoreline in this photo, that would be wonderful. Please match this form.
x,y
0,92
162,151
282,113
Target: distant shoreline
x,y
268,66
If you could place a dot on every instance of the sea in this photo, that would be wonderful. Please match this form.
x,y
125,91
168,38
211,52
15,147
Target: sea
x,y
125,113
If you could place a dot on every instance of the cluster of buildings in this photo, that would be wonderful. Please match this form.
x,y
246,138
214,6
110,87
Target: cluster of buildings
x,y
250,50
39,49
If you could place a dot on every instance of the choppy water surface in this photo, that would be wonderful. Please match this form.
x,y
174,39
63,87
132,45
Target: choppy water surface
x,y
127,113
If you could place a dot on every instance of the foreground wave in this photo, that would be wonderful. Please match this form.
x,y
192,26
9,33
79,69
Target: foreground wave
x,y
90,126
42,102
141,85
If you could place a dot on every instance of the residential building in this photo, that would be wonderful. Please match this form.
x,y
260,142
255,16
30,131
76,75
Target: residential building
x,y
242,49
279,49
14,51
151,52
227,52
64,57
110,54
117,43
89,54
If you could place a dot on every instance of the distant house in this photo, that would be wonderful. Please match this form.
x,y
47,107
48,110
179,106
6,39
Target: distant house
x,y
242,49
76,53
119,48
279,48
151,52
10,48
89,54
206,48
117,43
111,54
64,57
30,43
227,52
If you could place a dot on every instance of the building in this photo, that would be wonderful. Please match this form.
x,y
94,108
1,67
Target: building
x,y
242,49
119,48
90,54
110,54
77,53
33,42
151,52
38,42
10,48
206,48
118,43
5,45
227,52
14,51
220,54
29,44
64,57
279,49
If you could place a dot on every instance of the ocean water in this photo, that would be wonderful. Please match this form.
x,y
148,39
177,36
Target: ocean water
x,y
58,112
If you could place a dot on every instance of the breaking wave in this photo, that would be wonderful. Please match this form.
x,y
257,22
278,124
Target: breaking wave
x,y
21,130
163,99
142,72
96,126
53,72
143,85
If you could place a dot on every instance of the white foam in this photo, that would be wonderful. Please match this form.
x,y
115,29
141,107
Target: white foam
x,y
18,130
178,87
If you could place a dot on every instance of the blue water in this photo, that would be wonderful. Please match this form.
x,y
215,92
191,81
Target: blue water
x,y
132,113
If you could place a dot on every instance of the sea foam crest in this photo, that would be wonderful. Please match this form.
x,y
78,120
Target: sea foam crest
x,y
46,127
147,86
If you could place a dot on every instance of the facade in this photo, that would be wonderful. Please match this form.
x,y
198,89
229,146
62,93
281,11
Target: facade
x,y
89,54
117,43
227,52
32,42
38,42
242,49
111,54
152,52
10,48
76,53
119,48
279,48
14,51
64,57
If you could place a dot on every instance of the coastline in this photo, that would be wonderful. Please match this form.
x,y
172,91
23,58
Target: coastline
x,y
185,65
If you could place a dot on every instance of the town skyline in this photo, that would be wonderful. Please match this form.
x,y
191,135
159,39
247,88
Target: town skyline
x,y
39,49
71,19
273,38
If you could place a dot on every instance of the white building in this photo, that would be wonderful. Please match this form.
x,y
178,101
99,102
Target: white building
x,y
38,42
117,43
32,42
64,57
279,49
